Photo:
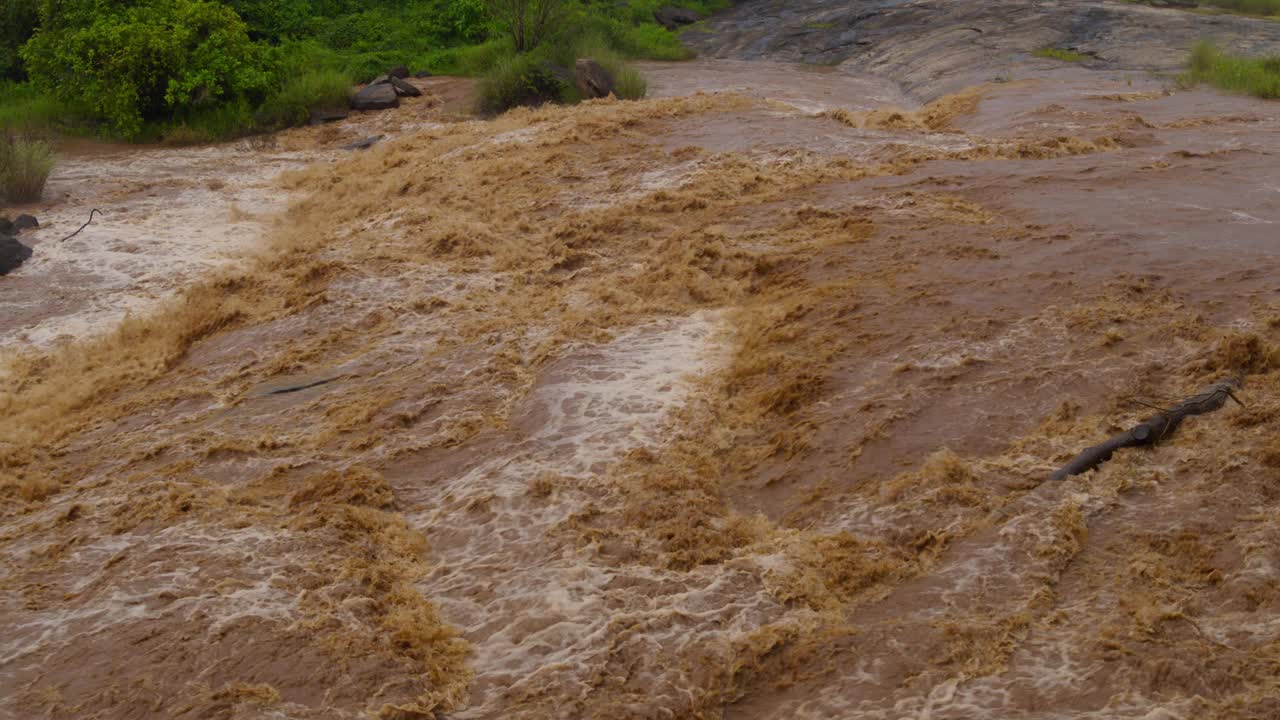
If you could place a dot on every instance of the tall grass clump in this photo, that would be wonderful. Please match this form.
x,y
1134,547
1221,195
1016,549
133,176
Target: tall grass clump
x,y
298,95
24,108
547,75
1249,7
25,166
1052,53
1259,77
519,80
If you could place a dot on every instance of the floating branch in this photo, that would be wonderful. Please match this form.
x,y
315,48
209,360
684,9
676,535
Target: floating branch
x,y
1154,429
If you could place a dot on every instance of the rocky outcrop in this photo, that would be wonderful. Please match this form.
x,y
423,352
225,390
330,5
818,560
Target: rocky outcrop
x,y
674,18
399,71
379,96
592,79
932,47
12,254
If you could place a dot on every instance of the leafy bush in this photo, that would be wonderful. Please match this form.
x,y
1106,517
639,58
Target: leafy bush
x,y
545,75
529,23
25,166
519,80
1254,76
300,94
149,61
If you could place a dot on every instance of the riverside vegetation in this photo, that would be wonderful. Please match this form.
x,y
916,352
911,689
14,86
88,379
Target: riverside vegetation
x,y
196,70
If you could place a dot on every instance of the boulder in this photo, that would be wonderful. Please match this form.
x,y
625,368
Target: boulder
x,y
25,222
376,97
559,72
320,117
404,88
592,79
674,18
6,226
399,71
12,254
381,80
364,144
422,74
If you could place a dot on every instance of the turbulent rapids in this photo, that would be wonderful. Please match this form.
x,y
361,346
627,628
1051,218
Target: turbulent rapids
x,y
735,402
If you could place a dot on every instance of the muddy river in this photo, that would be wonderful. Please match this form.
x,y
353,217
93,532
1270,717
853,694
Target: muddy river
x,y
736,402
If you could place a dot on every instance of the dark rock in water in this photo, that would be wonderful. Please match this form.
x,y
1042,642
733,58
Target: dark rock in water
x,y
6,226
376,97
12,254
381,80
559,72
25,222
404,88
320,117
399,71
422,74
592,79
364,144
673,18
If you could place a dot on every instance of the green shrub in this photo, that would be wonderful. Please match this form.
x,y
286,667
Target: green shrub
x,y
1253,76
628,83
151,61
515,81
531,78
300,94
25,166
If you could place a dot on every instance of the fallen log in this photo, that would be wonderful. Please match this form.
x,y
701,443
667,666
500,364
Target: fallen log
x,y
1152,430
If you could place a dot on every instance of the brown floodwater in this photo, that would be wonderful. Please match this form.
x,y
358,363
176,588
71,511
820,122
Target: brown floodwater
x,y
735,402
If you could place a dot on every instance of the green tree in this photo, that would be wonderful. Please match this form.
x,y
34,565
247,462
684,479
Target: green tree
x,y
17,23
530,22
133,62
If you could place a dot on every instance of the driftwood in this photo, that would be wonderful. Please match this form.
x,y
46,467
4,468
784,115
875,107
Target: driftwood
x,y
92,212
1153,430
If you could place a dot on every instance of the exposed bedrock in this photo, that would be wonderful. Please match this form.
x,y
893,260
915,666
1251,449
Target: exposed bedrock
x,y
933,47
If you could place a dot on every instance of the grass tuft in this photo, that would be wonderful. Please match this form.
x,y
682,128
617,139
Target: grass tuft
x,y
1253,76
300,94
1064,55
545,75
25,166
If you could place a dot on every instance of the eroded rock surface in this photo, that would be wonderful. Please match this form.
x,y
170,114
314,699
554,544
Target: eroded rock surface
x,y
937,46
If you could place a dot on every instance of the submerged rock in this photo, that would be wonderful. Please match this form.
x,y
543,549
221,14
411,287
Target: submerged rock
x,y
404,88
6,226
376,97
12,254
673,18
364,144
25,222
399,71
422,74
592,79
320,117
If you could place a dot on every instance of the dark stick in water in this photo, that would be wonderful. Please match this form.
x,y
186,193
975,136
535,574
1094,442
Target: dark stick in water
x,y
91,214
1153,430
